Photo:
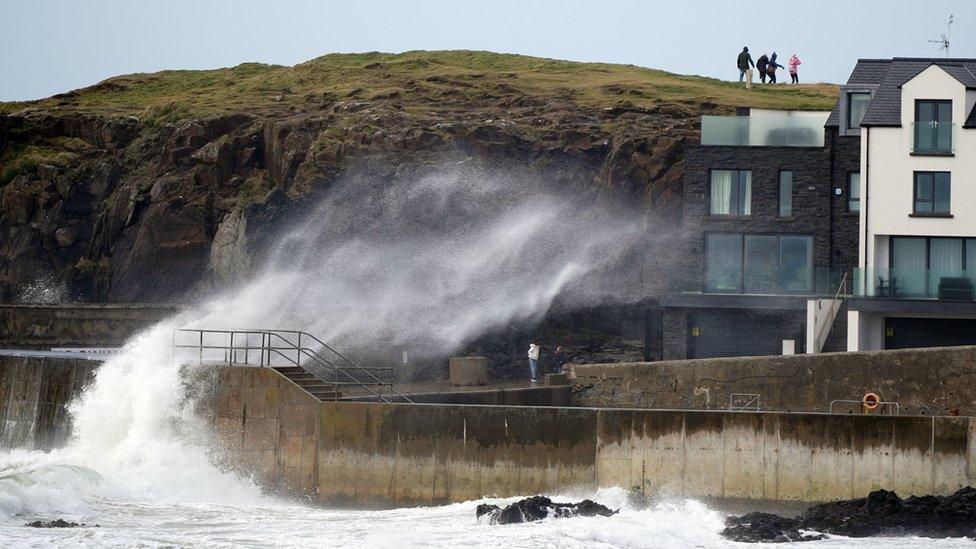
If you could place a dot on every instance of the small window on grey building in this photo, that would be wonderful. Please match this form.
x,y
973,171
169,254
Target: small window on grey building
x,y
730,192
857,105
854,192
931,193
785,193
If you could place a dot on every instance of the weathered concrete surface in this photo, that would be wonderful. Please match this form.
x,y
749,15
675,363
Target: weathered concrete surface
x,y
468,370
922,381
34,394
366,453
76,324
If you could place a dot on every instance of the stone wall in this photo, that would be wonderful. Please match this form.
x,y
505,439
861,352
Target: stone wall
x,y
76,324
34,394
921,381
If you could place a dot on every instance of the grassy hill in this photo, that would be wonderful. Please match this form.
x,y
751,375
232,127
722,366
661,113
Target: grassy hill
x,y
416,80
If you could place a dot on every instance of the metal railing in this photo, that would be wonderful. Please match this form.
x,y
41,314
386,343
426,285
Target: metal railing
x,y
287,348
744,402
882,405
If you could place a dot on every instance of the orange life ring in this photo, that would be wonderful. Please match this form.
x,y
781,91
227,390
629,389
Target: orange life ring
x,y
871,401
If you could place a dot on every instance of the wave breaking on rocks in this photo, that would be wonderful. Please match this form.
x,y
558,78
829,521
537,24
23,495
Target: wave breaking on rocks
x,y
538,508
882,513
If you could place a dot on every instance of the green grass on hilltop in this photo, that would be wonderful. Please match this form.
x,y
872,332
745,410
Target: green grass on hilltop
x,y
417,79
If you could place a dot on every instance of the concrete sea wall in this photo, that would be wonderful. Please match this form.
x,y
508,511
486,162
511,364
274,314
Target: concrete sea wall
x,y
397,454
76,324
34,394
921,381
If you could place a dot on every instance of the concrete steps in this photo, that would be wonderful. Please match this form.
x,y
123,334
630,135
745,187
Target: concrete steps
x,y
309,383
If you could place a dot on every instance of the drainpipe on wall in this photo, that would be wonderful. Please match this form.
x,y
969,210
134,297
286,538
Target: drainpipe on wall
x,y
867,202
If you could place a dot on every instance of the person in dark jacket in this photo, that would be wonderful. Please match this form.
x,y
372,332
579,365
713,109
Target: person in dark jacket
x,y
558,359
761,64
744,62
771,69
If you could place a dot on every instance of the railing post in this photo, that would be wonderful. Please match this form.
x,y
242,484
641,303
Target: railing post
x,y
247,345
201,347
231,350
298,351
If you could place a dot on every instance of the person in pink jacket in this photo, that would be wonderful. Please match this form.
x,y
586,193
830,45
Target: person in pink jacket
x,y
792,64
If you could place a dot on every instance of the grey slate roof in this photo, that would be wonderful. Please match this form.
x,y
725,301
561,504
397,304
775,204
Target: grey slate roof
x,y
889,75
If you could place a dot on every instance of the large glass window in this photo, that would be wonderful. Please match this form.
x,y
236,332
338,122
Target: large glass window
x,y
760,272
918,264
723,258
931,193
795,262
933,126
857,105
730,192
785,194
854,192
759,264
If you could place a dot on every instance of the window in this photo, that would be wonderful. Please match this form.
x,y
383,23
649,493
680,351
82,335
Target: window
x,y
785,194
723,257
854,192
730,193
857,105
918,263
758,263
931,193
933,126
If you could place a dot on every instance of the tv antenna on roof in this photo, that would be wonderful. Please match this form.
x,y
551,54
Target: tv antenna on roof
x,y
944,41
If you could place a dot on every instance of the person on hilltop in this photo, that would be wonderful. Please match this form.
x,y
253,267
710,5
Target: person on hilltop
x,y
533,361
793,63
771,69
761,64
744,62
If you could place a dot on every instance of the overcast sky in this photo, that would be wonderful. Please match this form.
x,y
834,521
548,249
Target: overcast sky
x,y
51,46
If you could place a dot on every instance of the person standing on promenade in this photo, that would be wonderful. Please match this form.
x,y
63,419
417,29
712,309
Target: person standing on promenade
x,y
533,361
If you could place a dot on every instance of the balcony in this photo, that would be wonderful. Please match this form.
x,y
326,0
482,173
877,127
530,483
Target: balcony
x,y
932,284
765,129
933,139
786,281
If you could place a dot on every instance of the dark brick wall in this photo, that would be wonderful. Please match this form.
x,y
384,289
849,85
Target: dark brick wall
x,y
846,155
817,211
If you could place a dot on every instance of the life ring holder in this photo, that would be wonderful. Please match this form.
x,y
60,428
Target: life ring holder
x,y
871,401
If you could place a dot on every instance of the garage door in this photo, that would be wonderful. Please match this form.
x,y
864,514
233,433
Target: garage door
x,y
909,333
724,333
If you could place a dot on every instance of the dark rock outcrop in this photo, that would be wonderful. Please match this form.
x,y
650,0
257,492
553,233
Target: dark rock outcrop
x,y
538,508
881,513
56,523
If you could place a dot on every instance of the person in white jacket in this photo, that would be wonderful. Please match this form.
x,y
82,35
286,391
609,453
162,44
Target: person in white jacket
x,y
533,361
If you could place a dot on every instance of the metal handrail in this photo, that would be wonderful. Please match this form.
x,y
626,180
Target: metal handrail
x,y
895,405
825,328
274,343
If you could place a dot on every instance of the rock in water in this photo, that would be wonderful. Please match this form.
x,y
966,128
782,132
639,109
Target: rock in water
x,y
881,513
538,508
56,523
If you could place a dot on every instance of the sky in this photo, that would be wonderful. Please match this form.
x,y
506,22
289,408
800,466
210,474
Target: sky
x,y
52,46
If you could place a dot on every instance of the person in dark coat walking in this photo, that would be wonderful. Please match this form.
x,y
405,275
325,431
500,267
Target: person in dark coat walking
x,y
558,359
761,64
744,62
771,69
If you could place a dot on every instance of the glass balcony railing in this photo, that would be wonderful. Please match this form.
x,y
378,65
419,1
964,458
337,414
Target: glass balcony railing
x,y
765,129
933,138
815,281
938,284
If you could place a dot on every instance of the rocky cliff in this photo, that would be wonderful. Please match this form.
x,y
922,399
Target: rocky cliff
x,y
155,187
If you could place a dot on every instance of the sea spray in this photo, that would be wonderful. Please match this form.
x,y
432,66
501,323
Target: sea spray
x,y
431,260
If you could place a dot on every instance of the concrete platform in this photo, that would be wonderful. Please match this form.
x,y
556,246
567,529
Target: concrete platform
x,y
509,392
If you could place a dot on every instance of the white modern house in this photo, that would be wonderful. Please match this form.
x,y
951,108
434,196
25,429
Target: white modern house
x,y
916,197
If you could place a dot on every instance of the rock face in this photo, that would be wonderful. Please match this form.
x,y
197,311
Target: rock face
x,y
538,508
881,513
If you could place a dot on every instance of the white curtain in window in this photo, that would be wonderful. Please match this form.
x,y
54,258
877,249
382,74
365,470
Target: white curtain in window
x,y
721,194
746,193
909,265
